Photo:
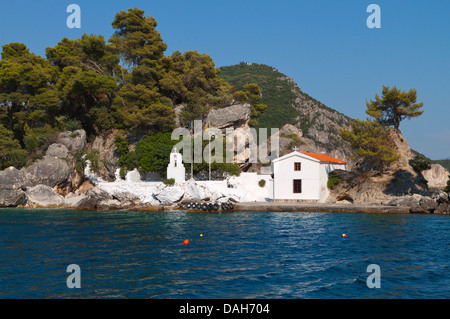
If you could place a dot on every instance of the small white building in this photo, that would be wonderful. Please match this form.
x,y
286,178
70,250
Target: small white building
x,y
176,169
303,176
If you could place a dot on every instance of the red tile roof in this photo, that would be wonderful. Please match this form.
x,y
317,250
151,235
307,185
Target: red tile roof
x,y
325,158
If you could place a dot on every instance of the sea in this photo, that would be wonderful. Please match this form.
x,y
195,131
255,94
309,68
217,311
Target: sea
x,y
52,253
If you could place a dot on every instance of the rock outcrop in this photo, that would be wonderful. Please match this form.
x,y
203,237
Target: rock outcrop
x,y
49,170
235,116
10,197
13,178
43,196
400,185
74,141
44,181
437,176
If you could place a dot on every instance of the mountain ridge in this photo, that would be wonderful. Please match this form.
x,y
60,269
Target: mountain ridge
x,y
288,104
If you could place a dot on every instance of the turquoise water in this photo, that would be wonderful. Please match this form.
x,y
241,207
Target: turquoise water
x,y
240,255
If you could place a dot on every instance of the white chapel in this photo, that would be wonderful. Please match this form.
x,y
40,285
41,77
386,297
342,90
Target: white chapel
x,y
303,176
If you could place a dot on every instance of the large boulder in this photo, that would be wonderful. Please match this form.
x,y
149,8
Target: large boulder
x,y
169,194
73,201
126,199
13,178
231,116
443,203
43,196
193,191
92,198
57,150
108,157
74,141
49,171
437,176
10,197
416,203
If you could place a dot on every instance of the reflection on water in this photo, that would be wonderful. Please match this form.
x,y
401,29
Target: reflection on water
x,y
240,255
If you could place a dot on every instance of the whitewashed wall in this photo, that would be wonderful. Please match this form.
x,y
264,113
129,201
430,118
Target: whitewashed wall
x,y
284,174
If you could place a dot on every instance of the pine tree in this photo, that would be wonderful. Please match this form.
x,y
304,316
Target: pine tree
x,y
370,140
394,106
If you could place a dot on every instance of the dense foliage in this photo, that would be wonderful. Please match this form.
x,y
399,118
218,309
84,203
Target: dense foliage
x,y
125,82
370,138
394,106
152,155
420,163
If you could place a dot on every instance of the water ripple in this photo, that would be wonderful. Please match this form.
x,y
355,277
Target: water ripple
x,y
240,255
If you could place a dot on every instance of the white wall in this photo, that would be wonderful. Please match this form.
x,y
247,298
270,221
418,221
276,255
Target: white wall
x,y
284,174
325,169
249,182
176,169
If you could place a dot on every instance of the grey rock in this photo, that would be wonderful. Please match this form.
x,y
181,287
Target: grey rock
x,y
48,171
74,141
109,204
126,198
43,195
58,151
437,175
92,198
73,201
289,129
10,197
12,178
231,116
417,203
169,194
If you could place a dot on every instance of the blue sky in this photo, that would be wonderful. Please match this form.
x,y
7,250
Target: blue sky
x,y
324,45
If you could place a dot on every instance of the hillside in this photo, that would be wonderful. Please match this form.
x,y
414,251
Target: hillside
x,y
288,104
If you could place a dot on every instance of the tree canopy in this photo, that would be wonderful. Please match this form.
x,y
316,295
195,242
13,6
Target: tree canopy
x,y
394,106
125,82
370,139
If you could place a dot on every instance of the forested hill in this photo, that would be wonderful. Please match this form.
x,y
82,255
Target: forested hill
x,y
125,83
288,104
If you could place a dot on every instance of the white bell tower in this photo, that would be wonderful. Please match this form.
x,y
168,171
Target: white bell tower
x,y
176,169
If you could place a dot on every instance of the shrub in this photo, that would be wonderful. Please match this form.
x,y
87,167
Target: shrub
x,y
153,152
447,188
169,181
262,183
420,163
333,180
93,156
123,173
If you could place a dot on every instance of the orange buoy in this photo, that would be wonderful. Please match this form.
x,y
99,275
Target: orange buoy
x,y
344,235
186,242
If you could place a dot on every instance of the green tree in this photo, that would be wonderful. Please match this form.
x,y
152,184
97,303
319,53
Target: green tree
x,y
192,79
370,139
27,92
251,93
89,75
139,107
11,154
139,45
394,106
154,152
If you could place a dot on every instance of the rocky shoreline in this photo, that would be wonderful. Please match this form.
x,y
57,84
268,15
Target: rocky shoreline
x,y
55,181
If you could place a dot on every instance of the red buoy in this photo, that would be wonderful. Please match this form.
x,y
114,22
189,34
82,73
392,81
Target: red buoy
x,y
186,242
